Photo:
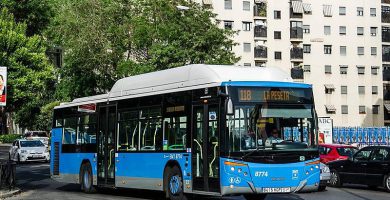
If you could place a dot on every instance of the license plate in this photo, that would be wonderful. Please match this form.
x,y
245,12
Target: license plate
x,y
276,190
37,156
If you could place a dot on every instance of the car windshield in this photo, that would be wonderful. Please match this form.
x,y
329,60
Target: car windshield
x,y
346,151
36,134
33,143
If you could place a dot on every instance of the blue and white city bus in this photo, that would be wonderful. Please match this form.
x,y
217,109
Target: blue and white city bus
x,y
200,129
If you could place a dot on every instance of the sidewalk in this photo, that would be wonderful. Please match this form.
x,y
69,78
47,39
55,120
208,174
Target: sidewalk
x,y
5,193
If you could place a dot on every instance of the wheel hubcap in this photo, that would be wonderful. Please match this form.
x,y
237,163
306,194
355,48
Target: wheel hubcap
x,y
333,178
174,185
388,182
86,179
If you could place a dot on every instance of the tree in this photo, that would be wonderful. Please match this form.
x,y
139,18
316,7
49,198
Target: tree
x,y
105,40
30,76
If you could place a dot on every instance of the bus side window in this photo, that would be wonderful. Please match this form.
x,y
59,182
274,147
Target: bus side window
x,y
69,131
175,135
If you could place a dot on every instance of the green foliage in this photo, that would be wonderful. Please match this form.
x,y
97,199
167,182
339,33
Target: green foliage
x,y
9,138
45,117
30,75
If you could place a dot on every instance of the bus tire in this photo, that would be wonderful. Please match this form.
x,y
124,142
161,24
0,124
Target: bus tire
x,y
174,184
255,196
86,179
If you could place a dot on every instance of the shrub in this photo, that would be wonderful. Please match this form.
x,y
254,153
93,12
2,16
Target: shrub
x,y
9,138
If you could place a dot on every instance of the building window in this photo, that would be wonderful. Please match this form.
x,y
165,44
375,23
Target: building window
x,y
306,28
375,109
228,24
362,109
278,55
360,30
328,69
277,14
343,50
373,12
329,88
327,9
247,47
342,10
361,89
361,70
373,51
342,30
359,11
360,51
246,26
247,64
306,48
343,69
373,31
326,30
344,109
306,68
374,89
327,49
246,5
344,89
374,70
228,4
277,35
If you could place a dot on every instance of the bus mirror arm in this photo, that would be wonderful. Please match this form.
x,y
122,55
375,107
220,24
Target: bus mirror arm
x,y
229,106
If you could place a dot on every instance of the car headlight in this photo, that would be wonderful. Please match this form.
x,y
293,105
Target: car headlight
x,y
23,151
325,169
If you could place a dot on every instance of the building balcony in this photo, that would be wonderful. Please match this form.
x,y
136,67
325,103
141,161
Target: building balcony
x,y
260,10
386,74
386,57
260,31
296,33
260,52
385,17
297,73
385,36
386,1
296,53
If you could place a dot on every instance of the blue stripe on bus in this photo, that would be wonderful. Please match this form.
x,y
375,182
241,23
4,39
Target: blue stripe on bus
x,y
266,84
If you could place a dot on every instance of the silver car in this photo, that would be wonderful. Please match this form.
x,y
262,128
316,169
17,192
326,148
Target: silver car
x,y
324,176
24,150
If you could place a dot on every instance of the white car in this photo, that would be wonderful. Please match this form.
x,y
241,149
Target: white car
x,y
39,135
24,150
324,176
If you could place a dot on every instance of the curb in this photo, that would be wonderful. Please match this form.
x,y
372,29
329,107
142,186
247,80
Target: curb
x,y
5,193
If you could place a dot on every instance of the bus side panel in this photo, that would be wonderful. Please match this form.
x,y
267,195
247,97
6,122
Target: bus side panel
x,y
70,164
146,170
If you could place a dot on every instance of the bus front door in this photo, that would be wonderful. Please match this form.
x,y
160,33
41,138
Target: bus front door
x,y
106,146
205,144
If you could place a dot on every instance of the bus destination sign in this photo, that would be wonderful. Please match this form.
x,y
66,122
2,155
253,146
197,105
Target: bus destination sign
x,y
270,94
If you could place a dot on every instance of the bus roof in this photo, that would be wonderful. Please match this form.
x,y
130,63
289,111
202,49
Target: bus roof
x,y
188,77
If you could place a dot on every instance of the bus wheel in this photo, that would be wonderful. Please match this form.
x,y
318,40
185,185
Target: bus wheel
x,y
86,178
174,185
255,196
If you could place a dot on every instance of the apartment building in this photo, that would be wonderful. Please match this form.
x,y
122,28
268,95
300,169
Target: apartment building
x,y
334,45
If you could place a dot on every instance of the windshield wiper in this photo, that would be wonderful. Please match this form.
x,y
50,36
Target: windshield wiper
x,y
250,153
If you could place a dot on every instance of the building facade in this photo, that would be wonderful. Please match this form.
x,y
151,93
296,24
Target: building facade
x,y
334,45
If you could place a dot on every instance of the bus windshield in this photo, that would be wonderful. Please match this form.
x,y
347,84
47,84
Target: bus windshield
x,y
271,127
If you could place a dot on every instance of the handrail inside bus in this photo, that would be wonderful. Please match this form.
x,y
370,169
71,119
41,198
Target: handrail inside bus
x,y
143,134
200,146
155,133
132,139
215,155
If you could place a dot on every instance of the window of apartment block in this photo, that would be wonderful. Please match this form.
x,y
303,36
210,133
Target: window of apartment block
x,y
228,24
326,30
342,10
343,69
373,12
374,70
344,89
228,4
328,69
373,31
277,14
247,47
327,49
375,109
343,50
327,9
278,55
329,88
360,50
246,5
342,30
306,68
374,89
359,11
246,26
306,48
361,69
373,51
247,64
361,89
360,30
306,28
344,109
277,35
362,109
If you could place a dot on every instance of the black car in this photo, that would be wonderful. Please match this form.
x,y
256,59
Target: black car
x,y
369,166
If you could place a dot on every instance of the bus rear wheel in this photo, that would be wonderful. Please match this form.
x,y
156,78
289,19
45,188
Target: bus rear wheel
x,y
255,196
174,184
86,178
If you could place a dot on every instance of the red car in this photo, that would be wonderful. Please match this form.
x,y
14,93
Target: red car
x,y
330,152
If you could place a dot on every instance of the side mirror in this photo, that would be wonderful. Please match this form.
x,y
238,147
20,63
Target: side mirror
x,y
229,109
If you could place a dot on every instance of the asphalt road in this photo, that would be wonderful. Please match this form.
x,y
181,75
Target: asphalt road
x,y
34,180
